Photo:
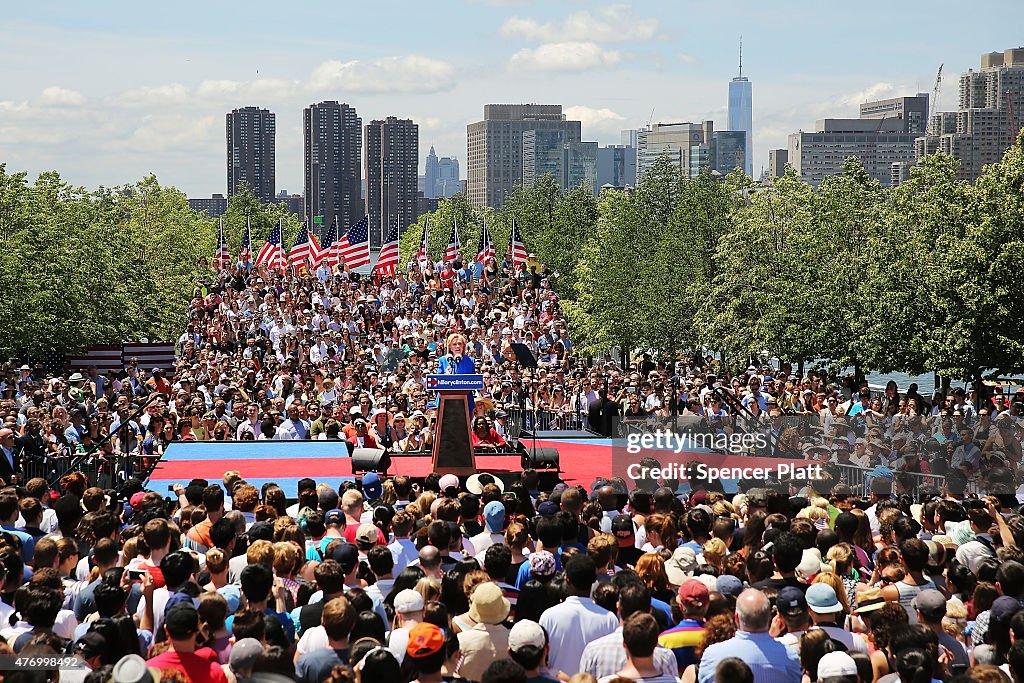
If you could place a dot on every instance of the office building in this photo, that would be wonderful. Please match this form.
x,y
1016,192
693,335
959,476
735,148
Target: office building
x,y
741,112
988,116
430,174
332,134
214,207
777,160
449,179
570,163
616,166
912,111
495,147
627,138
878,143
692,147
250,134
392,162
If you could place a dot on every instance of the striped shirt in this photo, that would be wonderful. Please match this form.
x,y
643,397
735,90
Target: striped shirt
x,y
682,641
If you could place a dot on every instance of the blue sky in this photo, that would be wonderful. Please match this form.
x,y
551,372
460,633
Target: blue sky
x,y
107,92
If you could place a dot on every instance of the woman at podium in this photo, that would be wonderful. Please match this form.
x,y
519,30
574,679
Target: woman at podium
x,y
456,362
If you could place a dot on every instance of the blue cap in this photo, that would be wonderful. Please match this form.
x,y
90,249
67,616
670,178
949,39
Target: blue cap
x,y
334,516
548,508
233,595
346,555
372,486
791,601
727,584
494,516
822,599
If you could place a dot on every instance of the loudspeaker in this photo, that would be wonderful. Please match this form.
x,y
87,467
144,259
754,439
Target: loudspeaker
x,y
541,459
370,460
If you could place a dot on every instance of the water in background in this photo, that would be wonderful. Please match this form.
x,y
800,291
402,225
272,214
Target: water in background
x,y
925,383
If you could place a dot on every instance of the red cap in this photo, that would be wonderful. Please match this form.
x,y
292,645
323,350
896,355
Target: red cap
x,y
693,591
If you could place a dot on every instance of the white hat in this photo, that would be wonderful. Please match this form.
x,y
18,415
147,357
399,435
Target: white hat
x,y
408,601
835,664
476,486
76,377
525,633
448,480
132,669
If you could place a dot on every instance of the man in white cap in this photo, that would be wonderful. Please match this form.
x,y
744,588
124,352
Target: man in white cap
x,y
409,612
528,647
837,667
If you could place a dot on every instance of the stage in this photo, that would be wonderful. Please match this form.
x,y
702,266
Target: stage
x,y
581,461
286,462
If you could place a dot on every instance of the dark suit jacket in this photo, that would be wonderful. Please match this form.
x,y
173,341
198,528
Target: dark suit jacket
x,y
6,473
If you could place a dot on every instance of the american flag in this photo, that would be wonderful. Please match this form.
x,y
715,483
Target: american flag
x,y
516,246
387,261
486,250
423,254
301,249
245,250
354,247
272,253
454,246
328,251
223,257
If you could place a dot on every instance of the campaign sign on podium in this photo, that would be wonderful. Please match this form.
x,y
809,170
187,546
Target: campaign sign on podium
x,y
453,446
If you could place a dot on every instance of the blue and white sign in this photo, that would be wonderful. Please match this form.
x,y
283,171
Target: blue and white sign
x,y
455,382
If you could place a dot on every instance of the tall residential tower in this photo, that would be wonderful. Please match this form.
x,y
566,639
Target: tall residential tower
x,y
250,133
741,113
333,157
392,160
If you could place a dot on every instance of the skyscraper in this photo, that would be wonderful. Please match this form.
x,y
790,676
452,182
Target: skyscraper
x,y
392,160
333,155
495,147
616,166
989,116
741,112
692,147
449,180
250,133
570,163
431,174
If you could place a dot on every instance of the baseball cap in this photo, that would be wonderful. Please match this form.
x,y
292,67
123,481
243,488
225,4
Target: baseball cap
x,y
1003,609
681,565
694,592
367,533
182,619
622,528
494,516
233,595
524,633
791,601
930,603
448,481
821,599
836,664
425,639
244,654
334,516
408,601
346,555
727,584
372,486
548,508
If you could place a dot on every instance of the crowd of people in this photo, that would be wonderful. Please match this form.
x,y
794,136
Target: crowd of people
x,y
917,576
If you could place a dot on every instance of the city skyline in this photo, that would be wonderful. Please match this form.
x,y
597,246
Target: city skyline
x,y
154,99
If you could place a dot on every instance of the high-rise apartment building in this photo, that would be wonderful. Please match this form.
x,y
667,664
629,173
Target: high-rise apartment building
x,y
741,113
692,147
777,160
333,159
250,134
877,142
495,147
293,202
988,117
215,207
616,166
392,162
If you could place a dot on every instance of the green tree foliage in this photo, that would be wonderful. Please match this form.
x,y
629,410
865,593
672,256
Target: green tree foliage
x,y
102,267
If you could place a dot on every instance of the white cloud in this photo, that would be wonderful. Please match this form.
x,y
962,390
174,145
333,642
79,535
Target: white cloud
x,y
55,96
614,23
877,91
407,74
569,56
686,58
595,121
150,96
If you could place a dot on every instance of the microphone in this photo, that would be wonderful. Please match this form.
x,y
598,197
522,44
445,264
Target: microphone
x,y
458,360
451,366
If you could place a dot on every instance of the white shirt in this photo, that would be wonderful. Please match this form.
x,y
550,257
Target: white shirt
x,y
405,553
570,626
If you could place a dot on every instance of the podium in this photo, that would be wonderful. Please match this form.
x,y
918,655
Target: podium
x,y
453,444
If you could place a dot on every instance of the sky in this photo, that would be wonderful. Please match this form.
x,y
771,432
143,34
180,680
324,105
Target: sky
x,y
108,92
